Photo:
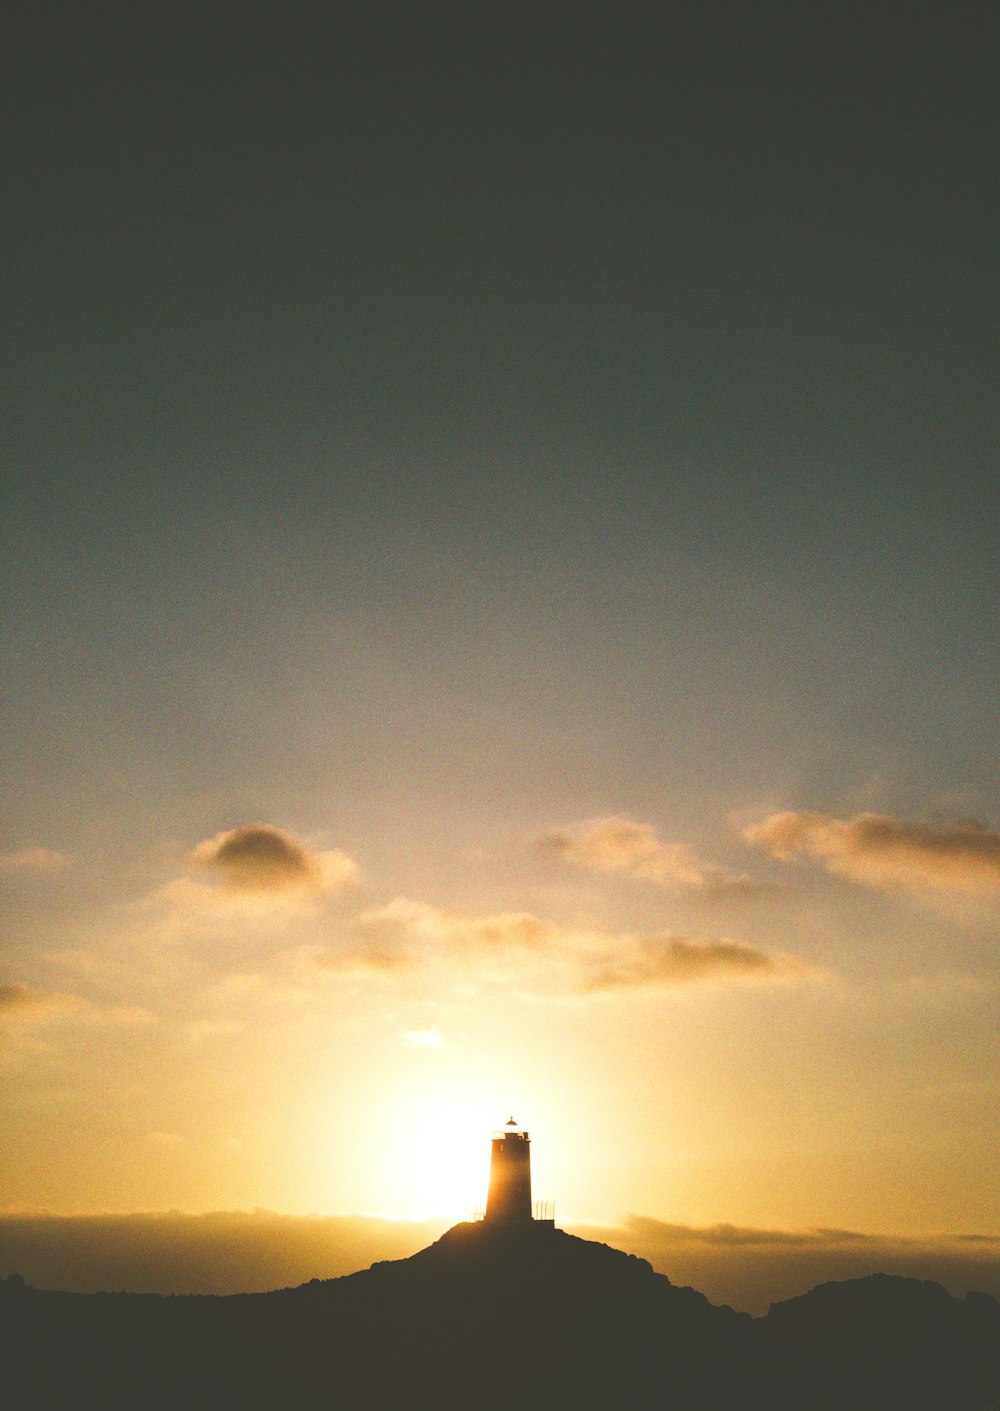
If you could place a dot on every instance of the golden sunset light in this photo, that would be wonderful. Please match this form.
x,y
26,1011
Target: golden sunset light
x,y
500,620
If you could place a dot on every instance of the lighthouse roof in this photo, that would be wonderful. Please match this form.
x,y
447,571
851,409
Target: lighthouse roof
x,y
511,1129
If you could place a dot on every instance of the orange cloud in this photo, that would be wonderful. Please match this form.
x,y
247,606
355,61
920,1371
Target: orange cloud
x,y
880,851
257,857
24,1004
404,919
27,1005
617,844
405,934
544,956
670,960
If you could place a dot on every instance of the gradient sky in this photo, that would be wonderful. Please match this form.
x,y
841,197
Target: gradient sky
x,y
500,525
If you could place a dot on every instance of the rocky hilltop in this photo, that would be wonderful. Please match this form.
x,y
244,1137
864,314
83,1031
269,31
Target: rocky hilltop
x,y
492,1317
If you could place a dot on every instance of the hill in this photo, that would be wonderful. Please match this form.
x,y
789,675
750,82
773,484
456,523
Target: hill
x,y
502,1317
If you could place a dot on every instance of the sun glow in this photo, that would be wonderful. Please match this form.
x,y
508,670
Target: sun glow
x,y
435,1153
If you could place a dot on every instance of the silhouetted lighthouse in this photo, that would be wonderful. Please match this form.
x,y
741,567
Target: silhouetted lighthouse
x,y
509,1198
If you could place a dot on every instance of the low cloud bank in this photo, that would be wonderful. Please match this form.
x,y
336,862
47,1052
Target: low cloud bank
x,y
750,1268
223,1252
234,1252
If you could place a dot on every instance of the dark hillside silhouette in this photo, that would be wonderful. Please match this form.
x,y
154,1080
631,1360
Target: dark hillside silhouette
x,y
881,1341
496,1317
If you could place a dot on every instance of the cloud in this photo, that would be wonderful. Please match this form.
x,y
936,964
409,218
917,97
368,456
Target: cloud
x,y
27,1005
739,1236
252,1251
251,874
617,844
546,957
406,936
670,960
257,857
34,859
201,1031
124,1015
880,851
219,1253
423,1038
404,919
951,986
368,960
750,1268
23,1004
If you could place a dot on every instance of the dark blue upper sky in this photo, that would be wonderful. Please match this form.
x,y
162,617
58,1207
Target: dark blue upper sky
x,y
641,355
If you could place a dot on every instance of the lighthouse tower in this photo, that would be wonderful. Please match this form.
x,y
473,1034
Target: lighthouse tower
x,y
509,1198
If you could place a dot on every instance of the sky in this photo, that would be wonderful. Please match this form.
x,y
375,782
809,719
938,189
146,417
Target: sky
x,y
499,563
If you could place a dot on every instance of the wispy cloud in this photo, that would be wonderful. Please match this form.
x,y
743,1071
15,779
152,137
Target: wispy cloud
x,y
404,919
619,844
166,1139
25,1004
543,956
201,1031
738,1236
34,859
423,1038
880,851
951,986
406,936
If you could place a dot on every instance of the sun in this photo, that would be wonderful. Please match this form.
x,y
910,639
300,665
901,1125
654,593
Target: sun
x,y
435,1152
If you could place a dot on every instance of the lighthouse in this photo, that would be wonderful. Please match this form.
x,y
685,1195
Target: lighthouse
x,y
509,1198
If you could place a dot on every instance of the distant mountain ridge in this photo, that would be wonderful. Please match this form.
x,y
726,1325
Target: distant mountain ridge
x,y
495,1317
